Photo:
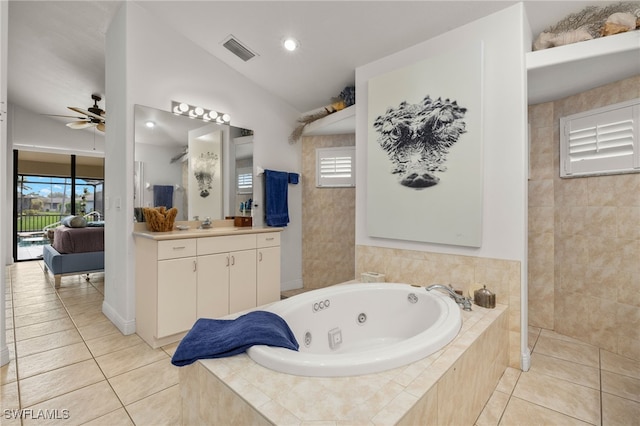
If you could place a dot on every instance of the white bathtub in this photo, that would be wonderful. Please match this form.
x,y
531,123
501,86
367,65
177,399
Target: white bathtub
x,y
354,329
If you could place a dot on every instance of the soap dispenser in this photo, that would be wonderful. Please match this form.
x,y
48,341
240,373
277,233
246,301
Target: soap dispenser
x,y
484,298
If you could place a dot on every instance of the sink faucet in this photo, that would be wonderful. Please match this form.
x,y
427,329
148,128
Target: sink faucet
x,y
206,223
464,302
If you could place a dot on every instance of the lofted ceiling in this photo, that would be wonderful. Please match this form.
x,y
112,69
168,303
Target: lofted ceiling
x,y
56,48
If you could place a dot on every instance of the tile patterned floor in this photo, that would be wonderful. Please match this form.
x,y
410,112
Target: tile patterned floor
x,y
74,365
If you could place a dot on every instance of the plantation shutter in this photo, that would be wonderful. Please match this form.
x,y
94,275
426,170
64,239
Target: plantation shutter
x,y
335,167
601,141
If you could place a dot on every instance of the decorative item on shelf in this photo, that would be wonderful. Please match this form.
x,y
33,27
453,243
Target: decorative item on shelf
x,y
83,202
181,108
589,23
484,298
159,219
346,98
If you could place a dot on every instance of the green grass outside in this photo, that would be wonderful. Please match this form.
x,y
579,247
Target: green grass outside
x,y
32,223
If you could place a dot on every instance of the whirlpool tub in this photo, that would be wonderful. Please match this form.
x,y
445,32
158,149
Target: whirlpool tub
x,y
354,329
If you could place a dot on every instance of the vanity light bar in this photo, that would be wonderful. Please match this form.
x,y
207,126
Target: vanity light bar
x,y
180,108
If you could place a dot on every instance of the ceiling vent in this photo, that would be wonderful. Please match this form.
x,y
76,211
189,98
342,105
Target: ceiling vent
x,y
237,48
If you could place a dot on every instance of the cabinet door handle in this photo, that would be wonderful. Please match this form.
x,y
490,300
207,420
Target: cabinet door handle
x,y
259,256
195,266
179,248
227,261
270,239
233,260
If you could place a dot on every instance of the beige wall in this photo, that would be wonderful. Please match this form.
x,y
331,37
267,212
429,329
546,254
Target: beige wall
x,y
328,220
584,236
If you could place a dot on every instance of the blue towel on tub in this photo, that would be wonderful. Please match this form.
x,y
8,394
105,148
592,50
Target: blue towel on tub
x,y
216,338
276,204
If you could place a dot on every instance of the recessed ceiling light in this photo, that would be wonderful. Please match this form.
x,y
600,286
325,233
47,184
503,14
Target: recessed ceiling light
x,y
290,44
150,124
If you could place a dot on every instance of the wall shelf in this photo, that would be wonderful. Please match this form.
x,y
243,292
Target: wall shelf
x,y
339,123
562,71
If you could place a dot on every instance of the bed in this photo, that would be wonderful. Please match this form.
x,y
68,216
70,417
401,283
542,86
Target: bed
x,y
74,250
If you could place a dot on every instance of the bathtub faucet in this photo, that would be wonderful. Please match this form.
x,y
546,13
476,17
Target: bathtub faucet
x,y
464,302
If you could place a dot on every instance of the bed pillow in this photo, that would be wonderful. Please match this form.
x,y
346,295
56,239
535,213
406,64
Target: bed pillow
x,y
74,222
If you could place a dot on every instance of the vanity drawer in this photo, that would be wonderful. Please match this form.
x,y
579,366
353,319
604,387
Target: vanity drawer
x,y
226,243
173,249
269,239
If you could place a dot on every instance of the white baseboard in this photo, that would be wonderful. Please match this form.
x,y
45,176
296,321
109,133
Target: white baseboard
x,y
125,327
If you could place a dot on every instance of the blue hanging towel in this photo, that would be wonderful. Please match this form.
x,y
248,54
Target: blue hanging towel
x,y
294,178
276,207
163,196
217,338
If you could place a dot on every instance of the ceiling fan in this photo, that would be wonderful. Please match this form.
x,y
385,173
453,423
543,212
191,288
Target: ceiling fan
x,y
91,117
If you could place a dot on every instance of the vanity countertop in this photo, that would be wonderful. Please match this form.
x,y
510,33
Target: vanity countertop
x,y
219,228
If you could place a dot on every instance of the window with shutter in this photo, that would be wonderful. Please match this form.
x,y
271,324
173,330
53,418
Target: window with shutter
x,y
245,181
335,167
601,141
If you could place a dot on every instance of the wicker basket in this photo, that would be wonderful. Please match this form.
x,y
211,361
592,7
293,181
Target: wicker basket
x,y
159,219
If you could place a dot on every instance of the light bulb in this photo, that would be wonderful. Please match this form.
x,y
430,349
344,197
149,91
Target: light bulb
x,y
183,107
290,44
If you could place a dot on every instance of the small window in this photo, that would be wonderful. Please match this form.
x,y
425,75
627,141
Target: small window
x,y
336,167
245,182
601,141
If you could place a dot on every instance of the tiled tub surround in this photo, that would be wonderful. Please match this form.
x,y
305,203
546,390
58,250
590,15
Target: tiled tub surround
x,y
422,268
450,386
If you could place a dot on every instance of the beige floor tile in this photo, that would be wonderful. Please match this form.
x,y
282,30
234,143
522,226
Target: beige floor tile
x,y
118,417
8,372
170,349
569,351
88,317
95,296
162,408
81,405
559,395
42,387
619,364
619,385
38,317
553,335
9,397
98,329
50,360
618,411
90,307
567,370
508,380
29,309
492,412
43,328
33,298
524,413
47,342
144,381
115,363
111,343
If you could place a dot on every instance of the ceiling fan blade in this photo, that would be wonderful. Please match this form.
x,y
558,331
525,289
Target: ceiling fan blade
x,y
87,113
80,124
101,127
63,116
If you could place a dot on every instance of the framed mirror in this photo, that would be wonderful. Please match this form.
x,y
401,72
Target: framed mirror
x,y
202,168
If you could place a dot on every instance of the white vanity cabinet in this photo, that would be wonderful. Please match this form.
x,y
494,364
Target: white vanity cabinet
x,y
201,276
227,274
268,268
